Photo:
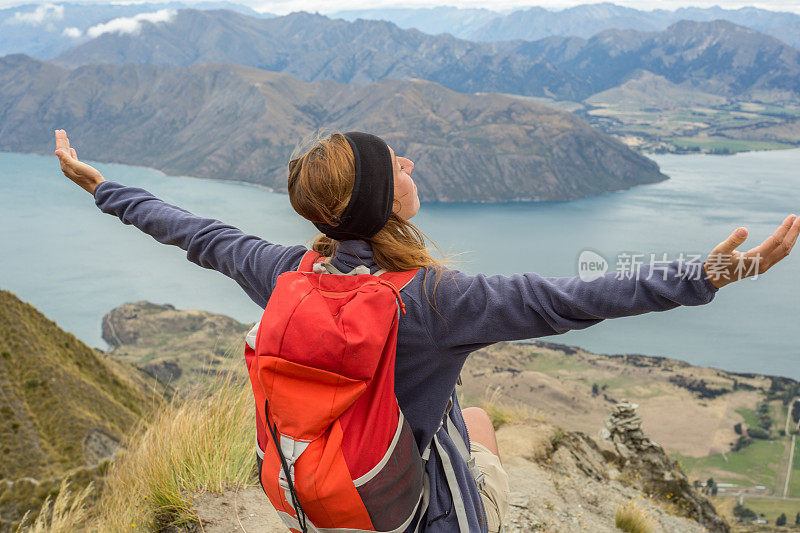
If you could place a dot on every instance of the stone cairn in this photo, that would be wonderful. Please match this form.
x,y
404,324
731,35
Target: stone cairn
x,y
624,430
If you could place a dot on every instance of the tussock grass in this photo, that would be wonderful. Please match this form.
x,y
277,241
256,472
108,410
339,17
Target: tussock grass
x,y
501,413
197,443
632,519
68,512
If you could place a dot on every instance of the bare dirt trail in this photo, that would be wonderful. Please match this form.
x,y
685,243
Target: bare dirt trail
x,y
244,511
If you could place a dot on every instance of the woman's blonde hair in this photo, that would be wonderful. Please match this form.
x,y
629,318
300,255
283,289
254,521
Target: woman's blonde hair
x,y
320,183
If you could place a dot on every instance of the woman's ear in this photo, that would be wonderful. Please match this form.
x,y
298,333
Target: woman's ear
x,y
406,164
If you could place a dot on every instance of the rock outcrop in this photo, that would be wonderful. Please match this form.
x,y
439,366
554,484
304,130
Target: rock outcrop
x,y
645,465
179,347
624,429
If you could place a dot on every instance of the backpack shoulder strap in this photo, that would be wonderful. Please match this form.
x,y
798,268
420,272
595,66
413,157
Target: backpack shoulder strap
x,y
308,260
399,279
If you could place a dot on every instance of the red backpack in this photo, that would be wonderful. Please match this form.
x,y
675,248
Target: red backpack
x,y
335,449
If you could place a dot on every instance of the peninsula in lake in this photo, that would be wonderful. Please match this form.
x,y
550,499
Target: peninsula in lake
x,y
233,122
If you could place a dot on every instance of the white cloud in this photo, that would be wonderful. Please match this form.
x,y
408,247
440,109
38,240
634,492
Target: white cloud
x,y
72,32
130,24
43,13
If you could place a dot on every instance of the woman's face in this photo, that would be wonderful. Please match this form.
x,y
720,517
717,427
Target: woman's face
x,y
405,190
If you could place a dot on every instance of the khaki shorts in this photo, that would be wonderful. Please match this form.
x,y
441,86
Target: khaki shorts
x,y
495,490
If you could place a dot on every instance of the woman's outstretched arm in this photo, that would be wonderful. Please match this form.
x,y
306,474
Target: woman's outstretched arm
x,y
249,260
474,311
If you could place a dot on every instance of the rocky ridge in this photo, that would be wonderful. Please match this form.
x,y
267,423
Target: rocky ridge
x,y
560,481
654,472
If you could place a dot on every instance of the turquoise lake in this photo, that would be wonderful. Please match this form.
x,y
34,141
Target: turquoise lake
x,y
74,263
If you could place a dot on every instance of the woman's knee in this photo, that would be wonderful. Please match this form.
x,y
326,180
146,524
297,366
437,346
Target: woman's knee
x,y
480,428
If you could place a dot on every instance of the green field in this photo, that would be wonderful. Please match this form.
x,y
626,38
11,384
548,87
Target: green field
x,y
771,509
724,143
688,122
794,481
755,465
749,416
760,463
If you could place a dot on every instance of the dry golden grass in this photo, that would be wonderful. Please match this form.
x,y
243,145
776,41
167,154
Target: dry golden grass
x,y
201,442
632,519
68,512
501,412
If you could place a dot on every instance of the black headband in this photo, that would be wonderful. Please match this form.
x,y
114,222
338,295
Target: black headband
x,y
373,190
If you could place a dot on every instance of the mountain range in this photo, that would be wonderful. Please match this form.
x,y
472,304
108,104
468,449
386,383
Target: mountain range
x,y
230,96
45,30
584,20
718,57
227,121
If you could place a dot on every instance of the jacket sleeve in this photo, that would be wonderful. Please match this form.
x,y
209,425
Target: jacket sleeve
x,y
249,260
471,312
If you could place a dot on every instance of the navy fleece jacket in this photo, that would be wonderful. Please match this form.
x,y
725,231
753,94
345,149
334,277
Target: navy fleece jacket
x,y
471,312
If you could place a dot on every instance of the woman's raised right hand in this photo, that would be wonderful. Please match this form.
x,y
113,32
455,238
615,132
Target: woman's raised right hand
x,y
85,176
725,264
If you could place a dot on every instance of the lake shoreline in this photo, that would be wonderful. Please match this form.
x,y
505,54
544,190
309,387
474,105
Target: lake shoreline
x,y
522,202
106,263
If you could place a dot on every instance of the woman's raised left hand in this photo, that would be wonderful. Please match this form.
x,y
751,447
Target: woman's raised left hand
x,y
725,264
85,176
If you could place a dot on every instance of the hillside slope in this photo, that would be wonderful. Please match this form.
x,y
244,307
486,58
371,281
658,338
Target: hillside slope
x,y
687,409
64,406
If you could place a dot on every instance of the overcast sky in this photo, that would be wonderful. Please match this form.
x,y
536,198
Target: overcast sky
x,y
325,6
